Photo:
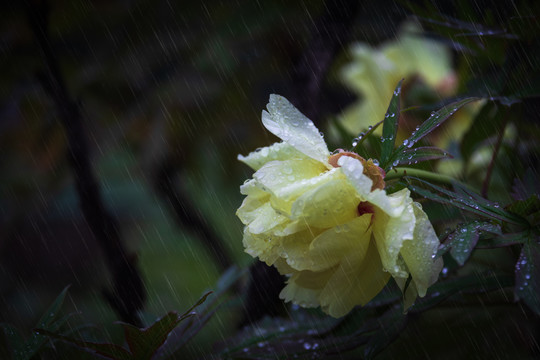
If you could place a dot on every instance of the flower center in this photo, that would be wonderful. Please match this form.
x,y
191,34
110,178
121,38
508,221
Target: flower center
x,y
372,171
365,208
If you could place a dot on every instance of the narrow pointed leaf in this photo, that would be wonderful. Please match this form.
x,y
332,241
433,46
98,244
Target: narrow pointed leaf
x,y
390,125
50,314
528,274
436,119
466,200
425,153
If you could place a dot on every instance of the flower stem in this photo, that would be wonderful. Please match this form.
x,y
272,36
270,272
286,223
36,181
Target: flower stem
x,y
399,172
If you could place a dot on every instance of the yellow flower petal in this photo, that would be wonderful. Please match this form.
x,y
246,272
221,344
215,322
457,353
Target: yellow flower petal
x,y
288,180
265,218
317,252
333,203
357,280
264,246
277,151
290,125
390,233
419,252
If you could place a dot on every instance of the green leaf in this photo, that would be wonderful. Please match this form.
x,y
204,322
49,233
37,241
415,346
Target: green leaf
x,y
425,153
477,282
390,125
436,119
466,200
392,323
111,351
22,350
14,340
187,329
142,343
527,274
463,240
526,207
503,240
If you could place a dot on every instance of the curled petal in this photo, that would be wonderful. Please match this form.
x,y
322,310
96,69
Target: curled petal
x,y
290,125
325,250
391,232
419,252
278,151
287,180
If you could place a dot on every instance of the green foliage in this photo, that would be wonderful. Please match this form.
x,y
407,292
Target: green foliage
x,y
142,343
50,320
463,240
390,126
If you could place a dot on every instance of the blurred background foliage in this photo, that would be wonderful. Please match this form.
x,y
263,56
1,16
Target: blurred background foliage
x,y
171,91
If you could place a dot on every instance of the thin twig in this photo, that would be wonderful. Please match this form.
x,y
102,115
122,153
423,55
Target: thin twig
x,y
128,294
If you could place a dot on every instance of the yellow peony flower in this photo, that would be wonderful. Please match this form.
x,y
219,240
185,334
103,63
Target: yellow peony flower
x,y
326,221
374,72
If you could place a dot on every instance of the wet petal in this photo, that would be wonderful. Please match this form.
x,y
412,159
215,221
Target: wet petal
x,y
290,125
277,151
418,253
358,279
264,246
288,180
390,233
265,218
333,203
328,248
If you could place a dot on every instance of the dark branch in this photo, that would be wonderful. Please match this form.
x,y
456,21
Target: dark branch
x,y
128,294
187,215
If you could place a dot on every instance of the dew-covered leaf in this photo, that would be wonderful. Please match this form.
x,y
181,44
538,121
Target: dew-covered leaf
x,y
436,118
390,125
424,153
465,199
528,274
463,240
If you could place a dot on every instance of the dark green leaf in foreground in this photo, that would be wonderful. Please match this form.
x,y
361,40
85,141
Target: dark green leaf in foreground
x,y
142,343
463,240
390,126
477,282
528,274
48,321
